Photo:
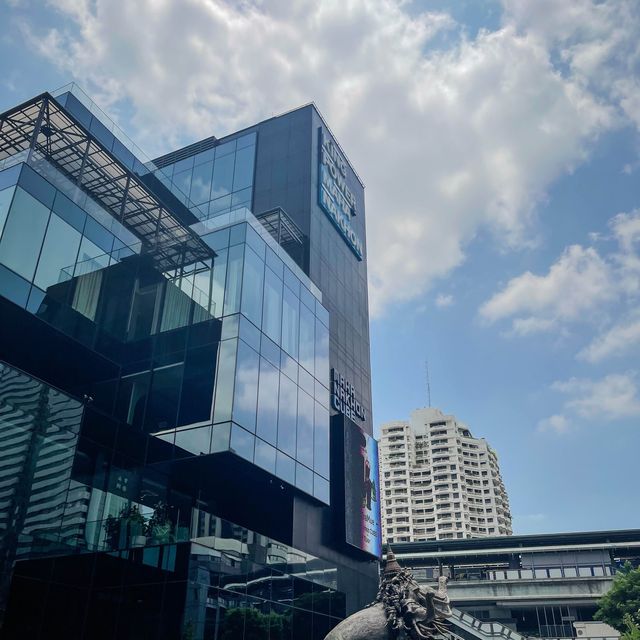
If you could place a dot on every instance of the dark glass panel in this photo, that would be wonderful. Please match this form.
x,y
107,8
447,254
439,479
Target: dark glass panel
x,y
132,398
197,386
162,406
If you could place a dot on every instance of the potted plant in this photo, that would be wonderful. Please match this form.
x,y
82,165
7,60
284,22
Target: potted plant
x,y
135,525
160,528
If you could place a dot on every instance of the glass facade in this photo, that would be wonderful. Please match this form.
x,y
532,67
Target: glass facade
x,y
216,180
74,499
61,264
164,391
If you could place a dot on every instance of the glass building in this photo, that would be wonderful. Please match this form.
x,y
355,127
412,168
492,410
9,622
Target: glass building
x,y
184,344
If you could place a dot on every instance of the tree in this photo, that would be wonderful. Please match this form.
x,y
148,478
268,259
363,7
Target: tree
x,y
622,599
633,630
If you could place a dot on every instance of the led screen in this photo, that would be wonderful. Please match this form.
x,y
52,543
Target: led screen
x,y
362,490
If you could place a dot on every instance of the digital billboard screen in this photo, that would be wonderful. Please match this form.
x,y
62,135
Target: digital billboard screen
x,y
362,490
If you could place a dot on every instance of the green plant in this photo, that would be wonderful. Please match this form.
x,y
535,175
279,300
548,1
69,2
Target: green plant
x,y
633,630
160,527
623,599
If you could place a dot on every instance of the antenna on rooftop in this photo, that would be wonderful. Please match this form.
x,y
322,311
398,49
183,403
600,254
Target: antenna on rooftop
x,y
426,368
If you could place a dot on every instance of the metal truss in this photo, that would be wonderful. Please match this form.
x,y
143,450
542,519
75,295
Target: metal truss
x,y
42,129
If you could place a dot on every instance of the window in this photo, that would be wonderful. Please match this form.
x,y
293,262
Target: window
x,y
267,418
27,219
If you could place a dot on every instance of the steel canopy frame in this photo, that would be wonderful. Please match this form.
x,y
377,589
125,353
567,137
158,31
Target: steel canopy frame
x,y
42,129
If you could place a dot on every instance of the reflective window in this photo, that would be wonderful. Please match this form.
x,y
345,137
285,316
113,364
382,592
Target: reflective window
x,y
182,181
252,286
218,282
265,456
307,339
287,415
272,306
267,421
321,441
59,253
222,176
304,448
243,174
234,280
5,201
285,468
201,183
23,234
224,380
242,442
290,315
304,479
246,387
322,353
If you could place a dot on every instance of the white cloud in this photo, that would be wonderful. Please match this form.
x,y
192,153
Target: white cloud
x,y
556,423
578,282
611,398
621,339
447,141
444,300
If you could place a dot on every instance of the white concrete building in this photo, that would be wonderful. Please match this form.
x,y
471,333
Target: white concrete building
x,y
439,482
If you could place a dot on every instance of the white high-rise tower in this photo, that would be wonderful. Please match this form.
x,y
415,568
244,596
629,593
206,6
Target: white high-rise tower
x,y
439,482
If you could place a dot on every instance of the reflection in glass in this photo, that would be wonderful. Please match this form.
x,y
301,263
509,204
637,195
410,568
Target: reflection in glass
x,y
290,315
59,253
201,183
304,479
246,387
322,353
5,201
321,441
224,380
304,448
286,468
265,456
234,280
222,175
287,414
242,442
243,175
307,339
252,286
272,307
23,234
267,422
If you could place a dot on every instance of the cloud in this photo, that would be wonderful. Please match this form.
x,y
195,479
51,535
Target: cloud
x,y
556,423
610,398
444,300
448,141
619,340
578,282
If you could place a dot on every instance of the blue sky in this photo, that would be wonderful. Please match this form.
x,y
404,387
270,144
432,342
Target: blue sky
x,y
499,142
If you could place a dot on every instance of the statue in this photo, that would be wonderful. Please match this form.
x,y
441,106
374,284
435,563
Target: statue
x,y
402,610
